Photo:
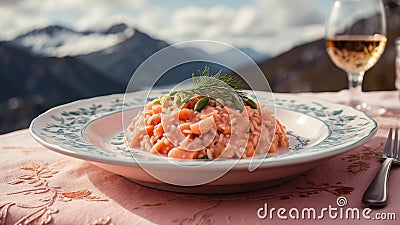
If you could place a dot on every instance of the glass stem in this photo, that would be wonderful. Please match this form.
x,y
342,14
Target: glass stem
x,y
355,88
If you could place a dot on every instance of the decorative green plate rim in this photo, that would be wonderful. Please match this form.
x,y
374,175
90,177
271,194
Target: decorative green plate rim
x,y
61,129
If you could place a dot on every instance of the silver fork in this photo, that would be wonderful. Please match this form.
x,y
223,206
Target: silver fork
x,y
377,192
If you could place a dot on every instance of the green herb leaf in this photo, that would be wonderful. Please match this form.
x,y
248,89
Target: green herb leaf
x,y
217,86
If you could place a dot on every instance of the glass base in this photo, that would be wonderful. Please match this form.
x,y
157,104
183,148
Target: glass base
x,y
370,110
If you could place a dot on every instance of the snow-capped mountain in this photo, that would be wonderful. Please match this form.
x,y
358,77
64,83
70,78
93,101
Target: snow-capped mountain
x,y
59,41
30,84
115,52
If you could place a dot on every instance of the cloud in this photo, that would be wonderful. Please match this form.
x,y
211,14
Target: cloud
x,y
21,16
89,5
67,43
289,13
192,22
262,23
244,21
14,20
87,44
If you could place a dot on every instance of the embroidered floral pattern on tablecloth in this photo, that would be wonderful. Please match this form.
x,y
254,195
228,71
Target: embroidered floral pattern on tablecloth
x,y
206,216
36,176
361,160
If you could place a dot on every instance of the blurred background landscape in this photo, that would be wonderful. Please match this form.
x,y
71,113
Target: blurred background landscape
x,y
54,52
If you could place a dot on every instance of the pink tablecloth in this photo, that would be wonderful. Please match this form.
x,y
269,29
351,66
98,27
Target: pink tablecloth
x,y
38,186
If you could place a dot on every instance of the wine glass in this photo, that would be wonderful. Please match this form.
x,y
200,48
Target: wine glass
x,y
355,40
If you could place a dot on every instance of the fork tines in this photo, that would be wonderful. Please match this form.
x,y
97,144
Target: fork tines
x,y
388,151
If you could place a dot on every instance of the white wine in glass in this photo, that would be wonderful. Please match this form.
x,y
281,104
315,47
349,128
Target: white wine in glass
x,y
355,41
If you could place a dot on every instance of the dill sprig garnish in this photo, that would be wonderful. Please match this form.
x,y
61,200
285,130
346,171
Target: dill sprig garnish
x,y
222,87
205,79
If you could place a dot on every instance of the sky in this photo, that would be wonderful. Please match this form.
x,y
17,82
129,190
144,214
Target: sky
x,y
267,26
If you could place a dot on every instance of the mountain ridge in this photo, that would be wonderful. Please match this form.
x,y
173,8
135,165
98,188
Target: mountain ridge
x,y
59,41
30,84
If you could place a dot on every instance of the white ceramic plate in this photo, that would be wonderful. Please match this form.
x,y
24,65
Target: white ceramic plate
x,y
92,130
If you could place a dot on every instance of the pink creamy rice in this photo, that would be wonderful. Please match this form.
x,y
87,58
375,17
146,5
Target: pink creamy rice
x,y
214,132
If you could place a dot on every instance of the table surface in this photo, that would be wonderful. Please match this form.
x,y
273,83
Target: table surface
x,y
39,186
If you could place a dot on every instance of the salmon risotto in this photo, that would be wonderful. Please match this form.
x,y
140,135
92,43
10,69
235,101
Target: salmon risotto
x,y
192,124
